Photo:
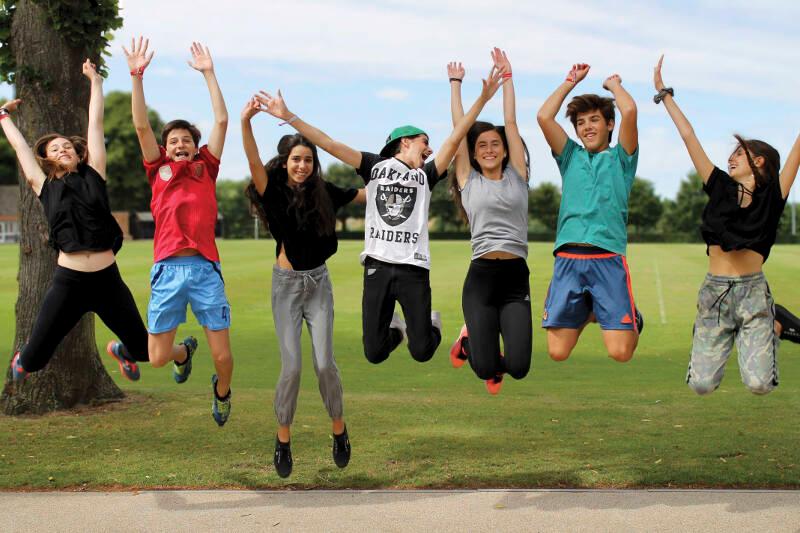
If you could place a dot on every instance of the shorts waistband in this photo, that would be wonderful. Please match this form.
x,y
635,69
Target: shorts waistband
x,y
584,252
728,280
295,274
185,260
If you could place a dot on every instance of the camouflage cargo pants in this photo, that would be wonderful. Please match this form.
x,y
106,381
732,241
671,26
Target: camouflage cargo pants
x,y
736,309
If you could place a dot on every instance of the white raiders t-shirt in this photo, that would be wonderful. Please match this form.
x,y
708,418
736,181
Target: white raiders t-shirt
x,y
398,197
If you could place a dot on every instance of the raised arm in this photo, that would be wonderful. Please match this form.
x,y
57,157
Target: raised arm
x,y
460,128
201,61
789,172
554,134
30,168
701,162
138,60
275,106
628,129
95,138
455,72
516,148
257,171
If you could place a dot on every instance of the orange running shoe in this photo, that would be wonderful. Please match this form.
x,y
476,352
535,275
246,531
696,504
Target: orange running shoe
x,y
457,355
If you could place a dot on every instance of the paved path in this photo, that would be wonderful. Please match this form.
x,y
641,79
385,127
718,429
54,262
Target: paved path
x,y
418,511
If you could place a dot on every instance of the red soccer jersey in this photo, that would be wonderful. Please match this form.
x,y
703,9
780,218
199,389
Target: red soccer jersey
x,y
184,204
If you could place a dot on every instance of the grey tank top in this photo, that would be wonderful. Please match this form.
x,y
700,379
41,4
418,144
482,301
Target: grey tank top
x,y
498,213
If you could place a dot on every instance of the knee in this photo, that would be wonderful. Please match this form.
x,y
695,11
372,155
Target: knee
x,y
375,355
558,353
621,354
421,355
290,373
703,386
760,386
482,369
159,358
518,370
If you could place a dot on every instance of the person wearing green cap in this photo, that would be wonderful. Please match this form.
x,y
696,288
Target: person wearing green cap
x,y
396,255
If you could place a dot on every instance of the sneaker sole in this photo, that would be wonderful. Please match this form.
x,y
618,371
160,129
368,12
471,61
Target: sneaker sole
x,y
133,366
456,351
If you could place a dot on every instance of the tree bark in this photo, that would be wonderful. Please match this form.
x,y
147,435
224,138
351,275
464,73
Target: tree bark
x,y
55,98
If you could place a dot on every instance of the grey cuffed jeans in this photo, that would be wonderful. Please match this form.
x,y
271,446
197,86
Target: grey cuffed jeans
x,y
299,295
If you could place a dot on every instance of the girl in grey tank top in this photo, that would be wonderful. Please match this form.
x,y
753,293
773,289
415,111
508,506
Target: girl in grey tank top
x,y
490,188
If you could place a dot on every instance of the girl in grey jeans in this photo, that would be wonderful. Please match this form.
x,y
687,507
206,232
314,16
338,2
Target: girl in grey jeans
x,y
299,208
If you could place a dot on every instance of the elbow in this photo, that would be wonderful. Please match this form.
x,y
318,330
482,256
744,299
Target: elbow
x,y
222,121
542,117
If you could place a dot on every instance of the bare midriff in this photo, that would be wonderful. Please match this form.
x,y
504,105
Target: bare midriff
x,y
735,263
499,255
186,252
86,261
283,261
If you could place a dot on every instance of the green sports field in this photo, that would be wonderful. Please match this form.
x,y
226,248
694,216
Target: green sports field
x,y
586,422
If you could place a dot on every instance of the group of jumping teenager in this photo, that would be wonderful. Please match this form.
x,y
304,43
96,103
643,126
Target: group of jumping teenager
x,y
489,183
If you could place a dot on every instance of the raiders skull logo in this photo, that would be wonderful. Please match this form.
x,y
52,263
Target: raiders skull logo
x,y
395,203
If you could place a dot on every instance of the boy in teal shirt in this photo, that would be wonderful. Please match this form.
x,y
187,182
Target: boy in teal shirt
x,y
591,280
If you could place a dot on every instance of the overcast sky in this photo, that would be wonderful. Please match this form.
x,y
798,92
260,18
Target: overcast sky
x,y
358,69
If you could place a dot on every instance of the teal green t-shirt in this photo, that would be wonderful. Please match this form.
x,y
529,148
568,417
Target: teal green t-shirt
x,y
594,196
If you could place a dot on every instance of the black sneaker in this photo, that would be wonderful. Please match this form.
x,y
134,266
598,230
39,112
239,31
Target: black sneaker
x,y
639,321
341,449
283,458
790,324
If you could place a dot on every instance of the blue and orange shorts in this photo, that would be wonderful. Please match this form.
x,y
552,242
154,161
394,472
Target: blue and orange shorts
x,y
585,280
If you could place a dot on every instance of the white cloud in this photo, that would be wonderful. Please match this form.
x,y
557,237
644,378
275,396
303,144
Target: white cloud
x,y
394,40
392,94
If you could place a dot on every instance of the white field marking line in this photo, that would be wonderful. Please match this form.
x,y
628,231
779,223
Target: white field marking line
x,y
661,309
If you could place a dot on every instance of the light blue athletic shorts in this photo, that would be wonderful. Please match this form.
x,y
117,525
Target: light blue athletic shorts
x,y
176,282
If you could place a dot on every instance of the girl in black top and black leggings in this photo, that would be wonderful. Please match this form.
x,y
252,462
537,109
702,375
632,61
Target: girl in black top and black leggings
x,y
68,174
739,226
299,208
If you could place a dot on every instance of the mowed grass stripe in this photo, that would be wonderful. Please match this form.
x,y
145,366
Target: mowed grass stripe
x,y
587,422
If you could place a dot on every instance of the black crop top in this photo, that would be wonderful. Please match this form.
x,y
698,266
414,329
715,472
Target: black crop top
x,y
297,231
737,228
78,211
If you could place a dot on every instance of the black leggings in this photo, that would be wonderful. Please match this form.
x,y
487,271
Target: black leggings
x,y
496,301
71,295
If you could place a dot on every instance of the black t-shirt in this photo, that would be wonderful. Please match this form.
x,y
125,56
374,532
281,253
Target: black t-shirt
x,y
79,214
737,228
296,231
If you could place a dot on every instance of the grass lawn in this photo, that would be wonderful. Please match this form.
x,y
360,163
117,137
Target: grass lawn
x,y
586,422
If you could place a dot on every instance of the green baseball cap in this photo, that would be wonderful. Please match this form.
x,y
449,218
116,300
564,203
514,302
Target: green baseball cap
x,y
399,133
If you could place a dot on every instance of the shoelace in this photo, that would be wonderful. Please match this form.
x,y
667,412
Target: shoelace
x,y
720,299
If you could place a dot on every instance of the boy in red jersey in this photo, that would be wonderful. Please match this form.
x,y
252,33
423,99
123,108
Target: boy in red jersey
x,y
184,205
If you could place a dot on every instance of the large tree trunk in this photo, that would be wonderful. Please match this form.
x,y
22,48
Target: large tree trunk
x,y
55,98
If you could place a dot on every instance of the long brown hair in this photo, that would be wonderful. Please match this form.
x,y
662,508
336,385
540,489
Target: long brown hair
x,y
475,131
50,167
310,198
772,159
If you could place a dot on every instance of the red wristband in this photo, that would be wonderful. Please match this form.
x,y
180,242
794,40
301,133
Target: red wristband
x,y
139,73
4,113
507,75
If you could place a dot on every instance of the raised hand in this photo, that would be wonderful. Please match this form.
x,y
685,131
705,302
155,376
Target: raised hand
x,y
578,72
455,71
657,80
274,105
612,82
89,70
492,83
138,58
500,60
12,105
251,108
201,58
